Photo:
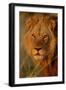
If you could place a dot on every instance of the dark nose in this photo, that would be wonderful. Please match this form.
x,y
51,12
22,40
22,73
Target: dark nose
x,y
37,49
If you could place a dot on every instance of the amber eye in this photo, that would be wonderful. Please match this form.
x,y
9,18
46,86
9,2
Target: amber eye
x,y
33,36
45,38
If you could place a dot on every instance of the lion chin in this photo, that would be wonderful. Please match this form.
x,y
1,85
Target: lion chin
x,y
38,57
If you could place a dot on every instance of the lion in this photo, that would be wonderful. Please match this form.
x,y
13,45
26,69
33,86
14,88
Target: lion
x,y
40,43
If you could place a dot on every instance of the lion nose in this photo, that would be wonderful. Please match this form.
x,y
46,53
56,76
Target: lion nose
x,y
37,49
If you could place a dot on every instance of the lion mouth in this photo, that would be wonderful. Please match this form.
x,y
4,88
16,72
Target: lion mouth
x,y
38,57
38,54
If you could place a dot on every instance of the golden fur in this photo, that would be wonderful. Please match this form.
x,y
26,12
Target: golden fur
x,y
39,39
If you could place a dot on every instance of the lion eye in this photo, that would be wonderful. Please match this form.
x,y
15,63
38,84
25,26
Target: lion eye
x,y
33,36
46,38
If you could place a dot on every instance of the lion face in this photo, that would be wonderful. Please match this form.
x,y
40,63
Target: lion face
x,y
39,40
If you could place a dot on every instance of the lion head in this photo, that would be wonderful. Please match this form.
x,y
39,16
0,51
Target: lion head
x,y
39,38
